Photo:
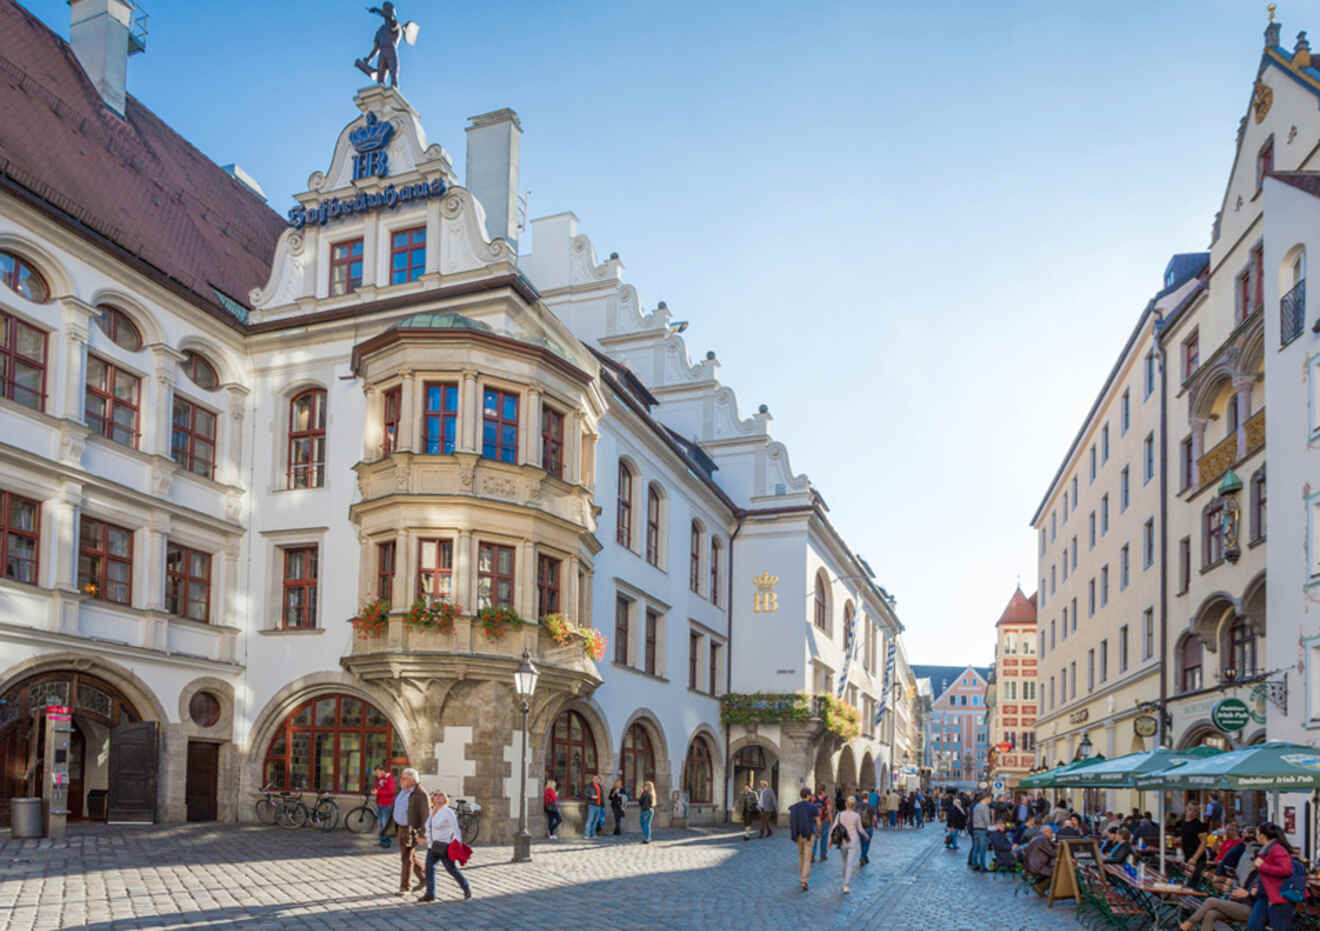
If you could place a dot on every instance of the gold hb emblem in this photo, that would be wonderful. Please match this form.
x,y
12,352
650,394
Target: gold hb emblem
x,y
767,602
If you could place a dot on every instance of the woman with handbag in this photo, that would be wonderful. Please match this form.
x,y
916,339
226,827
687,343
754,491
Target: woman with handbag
x,y
441,831
551,804
646,803
847,835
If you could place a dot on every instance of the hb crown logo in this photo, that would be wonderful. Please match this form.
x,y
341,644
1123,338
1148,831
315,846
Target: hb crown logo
x,y
372,161
767,602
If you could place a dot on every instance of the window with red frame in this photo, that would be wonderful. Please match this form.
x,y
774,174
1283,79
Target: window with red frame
x,y
390,418
499,437
192,438
22,278
1190,661
22,362
818,597
307,439
1191,352
301,568
694,566
622,609
441,422
714,666
552,441
1212,531
407,255
1258,506
105,561
494,576
20,537
1258,276
1264,161
199,371
547,586
623,530
345,267
330,744
111,402
385,555
715,571
116,325
435,568
653,526
652,627
188,583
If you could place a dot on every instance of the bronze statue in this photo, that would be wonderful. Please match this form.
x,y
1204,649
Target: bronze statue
x,y
385,50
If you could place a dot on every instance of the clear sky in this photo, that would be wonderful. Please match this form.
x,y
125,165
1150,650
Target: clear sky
x,y
919,232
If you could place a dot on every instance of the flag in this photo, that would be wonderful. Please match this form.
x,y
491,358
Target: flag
x,y
889,674
849,649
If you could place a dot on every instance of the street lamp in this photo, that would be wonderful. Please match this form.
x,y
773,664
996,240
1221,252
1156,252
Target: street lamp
x,y
1228,490
524,684
1084,748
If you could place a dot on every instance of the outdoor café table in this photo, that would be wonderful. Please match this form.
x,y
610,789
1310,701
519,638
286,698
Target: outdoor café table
x,y
1152,893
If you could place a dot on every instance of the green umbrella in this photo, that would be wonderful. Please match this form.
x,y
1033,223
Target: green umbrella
x,y
1050,778
1121,772
1265,767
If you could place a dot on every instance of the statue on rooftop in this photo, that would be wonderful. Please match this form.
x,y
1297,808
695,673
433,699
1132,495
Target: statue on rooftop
x,y
385,50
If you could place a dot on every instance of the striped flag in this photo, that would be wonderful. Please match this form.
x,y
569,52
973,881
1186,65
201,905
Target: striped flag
x,y
849,650
889,675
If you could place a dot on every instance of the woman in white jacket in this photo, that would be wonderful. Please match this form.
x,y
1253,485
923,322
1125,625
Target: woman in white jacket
x,y
441,828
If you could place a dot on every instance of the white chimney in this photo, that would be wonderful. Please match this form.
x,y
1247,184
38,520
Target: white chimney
x,y
100,34
493,141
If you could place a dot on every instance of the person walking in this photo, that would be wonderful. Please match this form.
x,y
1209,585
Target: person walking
x,y
894,802
867,814
980,833
825,817
803,826
385,792
851,823
646,807
441,828
750,810
551,804
1274,864
919,809
617,798
882,806
595,807
409,814
768,806
954,822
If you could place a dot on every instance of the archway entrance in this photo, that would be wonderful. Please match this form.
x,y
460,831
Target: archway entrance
x,y
753,763
866,777
847,775
105,738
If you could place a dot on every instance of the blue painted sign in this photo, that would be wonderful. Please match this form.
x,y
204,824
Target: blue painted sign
x,y
392,197
372,160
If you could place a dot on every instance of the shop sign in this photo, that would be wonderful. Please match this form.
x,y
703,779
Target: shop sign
x,y
389,199
1145,725
1079,717
765,601
1230,715
1259,696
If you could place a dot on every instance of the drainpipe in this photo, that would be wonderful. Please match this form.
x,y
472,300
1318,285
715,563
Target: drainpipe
x,y
728,667
1164,530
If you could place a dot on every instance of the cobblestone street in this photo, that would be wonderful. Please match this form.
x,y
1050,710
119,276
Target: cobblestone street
x,y
208,876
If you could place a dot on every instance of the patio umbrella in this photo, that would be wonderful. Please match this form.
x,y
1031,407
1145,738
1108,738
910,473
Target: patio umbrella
x,y
1122,771
1051,777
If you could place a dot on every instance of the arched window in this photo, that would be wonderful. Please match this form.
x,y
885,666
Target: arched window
x,y
23,278
694,568
330,744
652,527
698,772
1189,657
22,362
1241,656
116,325
199,370
623,532
572,760
636,760
715,547
307,439
821,618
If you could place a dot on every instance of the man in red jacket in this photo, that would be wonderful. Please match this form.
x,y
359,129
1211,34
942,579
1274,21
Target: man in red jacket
x,y
385,792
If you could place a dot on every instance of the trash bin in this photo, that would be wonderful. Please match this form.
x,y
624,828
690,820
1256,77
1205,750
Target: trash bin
x,y
25,817
98,804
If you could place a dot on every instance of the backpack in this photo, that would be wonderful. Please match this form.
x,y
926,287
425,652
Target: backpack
x,y
868,817
1294,887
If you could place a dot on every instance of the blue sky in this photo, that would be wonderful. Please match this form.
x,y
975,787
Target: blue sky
x,y
919,232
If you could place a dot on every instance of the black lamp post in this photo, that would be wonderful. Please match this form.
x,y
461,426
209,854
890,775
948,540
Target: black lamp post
x,y
524,684
1084,748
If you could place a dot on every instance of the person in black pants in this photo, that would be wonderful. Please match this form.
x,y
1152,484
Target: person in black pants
x,y
616,805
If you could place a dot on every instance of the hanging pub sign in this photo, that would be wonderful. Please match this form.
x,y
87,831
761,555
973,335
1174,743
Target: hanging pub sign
x,y
1230,714
1145,725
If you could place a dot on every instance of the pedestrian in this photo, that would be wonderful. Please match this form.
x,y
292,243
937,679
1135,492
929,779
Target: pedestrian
x,y
1023,811
768,806
441,829
1274,866
919,809
826,817
1191,832
980,833
867,814
895,802
803,816
385,792
851,822
838,798
873,798
954,822
750,810
617,798
646,807
551,804
905,810
595,807
882,807
409,814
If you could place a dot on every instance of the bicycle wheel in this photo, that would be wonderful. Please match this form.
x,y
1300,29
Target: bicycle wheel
x,y
293,815
470,828
361,820
267,811
326,815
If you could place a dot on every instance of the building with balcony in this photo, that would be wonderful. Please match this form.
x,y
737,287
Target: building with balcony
x,y
1011,692
957,736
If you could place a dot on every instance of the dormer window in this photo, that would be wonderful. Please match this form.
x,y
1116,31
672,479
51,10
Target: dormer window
x,y
407,255
345,267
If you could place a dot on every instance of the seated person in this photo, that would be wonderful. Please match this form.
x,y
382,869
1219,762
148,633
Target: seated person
x,y
1073,827
1147,830
1002,844
1232,840
1029,831
1038,860
1110,841
1121,850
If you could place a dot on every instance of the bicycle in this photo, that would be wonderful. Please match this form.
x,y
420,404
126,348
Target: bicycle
x,y
325,813
282,808
469,820
268,811
362,819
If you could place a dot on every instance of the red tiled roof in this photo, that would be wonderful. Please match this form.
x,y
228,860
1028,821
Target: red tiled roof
x,y
1020,608
134,182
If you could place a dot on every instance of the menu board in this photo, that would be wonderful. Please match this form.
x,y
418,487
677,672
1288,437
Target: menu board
x,y
1073,852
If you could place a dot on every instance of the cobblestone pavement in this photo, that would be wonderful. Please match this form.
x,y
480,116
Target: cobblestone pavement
x,y
208,876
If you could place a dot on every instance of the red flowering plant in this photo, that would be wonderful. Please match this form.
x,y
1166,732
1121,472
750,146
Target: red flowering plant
x,y
565,632
373,620
428,612
496,621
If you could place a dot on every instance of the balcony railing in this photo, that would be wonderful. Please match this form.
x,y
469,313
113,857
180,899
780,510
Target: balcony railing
x,y
1292,313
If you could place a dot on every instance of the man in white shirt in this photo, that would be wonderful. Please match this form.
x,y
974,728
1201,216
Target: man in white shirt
x,y
441,828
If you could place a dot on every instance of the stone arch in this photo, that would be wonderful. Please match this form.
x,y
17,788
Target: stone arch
x,y
1213,614
226,367
708,736
607,760
43,260
138,693
134,309
866,774
1196,733
846,771
1252,360
655,733
885,775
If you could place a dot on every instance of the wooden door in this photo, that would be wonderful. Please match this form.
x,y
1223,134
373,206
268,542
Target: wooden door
x,y
203,779
134,758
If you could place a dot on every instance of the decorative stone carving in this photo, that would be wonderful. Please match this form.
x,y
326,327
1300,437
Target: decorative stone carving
x,y
498,486
72,444
1262,99
286,273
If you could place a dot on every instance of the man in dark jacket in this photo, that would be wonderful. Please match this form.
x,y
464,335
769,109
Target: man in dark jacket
x,y
1038,861
802,817
409,813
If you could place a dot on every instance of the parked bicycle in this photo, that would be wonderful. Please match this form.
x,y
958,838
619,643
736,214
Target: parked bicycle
x,y
469,819
325,813
362,819
288,810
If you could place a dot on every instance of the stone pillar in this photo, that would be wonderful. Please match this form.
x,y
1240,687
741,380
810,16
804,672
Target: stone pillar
x,y
404,572
410,407
1242,398
225,607
572,452
469,414
156,413
150,573
569,593
1198,425
64,515
465,572
75,372
229,468
373,425
530,453
524,599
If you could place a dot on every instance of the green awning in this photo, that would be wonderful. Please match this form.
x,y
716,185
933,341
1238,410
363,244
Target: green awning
x,y
1265,767
1049,778
1121,772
